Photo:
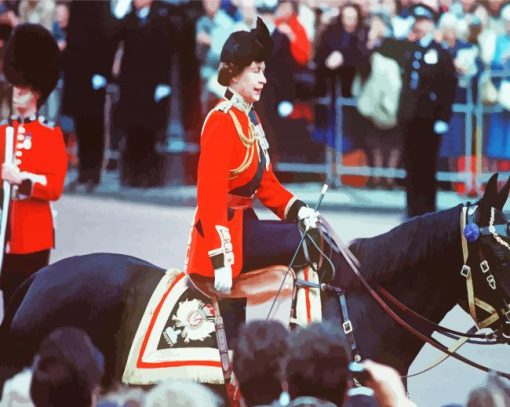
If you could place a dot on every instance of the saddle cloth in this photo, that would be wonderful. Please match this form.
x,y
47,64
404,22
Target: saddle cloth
x,y
176,338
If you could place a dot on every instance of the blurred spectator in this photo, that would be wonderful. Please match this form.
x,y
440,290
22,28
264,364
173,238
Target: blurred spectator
x,y
340,51
494,393
88,59
145,76
37,12
378,98
400,22
316,364
212,29
495,22
60,25
258,356
498,142
122,396
177,393
247,15
279,93
428,91
467,63
307,15
8,20
288,23
67,370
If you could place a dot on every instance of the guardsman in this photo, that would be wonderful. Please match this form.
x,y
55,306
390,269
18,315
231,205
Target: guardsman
x,y
428,91
40,161
234,168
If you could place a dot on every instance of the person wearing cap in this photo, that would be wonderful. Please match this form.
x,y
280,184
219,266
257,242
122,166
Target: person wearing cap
x,y
40,160
425,108
234,167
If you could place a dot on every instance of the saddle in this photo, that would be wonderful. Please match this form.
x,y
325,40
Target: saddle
x,y
260,288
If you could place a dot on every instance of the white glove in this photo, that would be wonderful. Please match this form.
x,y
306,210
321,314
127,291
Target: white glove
x,y
309,216
98,81
223,279
161,92
440,127
285,108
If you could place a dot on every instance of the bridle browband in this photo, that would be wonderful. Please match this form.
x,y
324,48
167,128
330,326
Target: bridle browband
x,y
461,337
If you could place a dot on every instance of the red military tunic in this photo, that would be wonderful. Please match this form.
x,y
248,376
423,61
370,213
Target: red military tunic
x,y
39,150
224,165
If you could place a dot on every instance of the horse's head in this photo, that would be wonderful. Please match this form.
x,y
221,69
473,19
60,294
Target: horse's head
x,y
486,251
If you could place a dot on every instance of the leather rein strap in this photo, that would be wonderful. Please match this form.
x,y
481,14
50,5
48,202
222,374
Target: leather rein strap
x,y
354,265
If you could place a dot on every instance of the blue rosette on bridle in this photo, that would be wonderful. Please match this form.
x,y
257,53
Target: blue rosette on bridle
x,y
471,232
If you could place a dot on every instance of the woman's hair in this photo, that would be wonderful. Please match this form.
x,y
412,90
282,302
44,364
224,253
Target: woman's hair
x,y
227,71
181,393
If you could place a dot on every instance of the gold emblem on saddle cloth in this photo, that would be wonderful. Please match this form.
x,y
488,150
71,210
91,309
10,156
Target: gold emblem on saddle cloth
x,y
255,139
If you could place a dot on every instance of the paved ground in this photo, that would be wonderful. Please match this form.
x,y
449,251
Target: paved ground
x,y
344,198
158,233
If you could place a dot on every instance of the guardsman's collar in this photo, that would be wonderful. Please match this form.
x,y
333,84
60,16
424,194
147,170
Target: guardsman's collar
x,y
25,120
238,101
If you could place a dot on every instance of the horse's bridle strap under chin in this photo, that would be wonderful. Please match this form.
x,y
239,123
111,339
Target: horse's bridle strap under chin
x,y
473,301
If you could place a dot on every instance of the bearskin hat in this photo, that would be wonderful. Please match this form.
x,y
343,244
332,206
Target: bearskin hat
x,y
32,59
244,47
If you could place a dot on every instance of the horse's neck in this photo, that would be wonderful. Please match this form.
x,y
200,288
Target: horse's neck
x,y
417,262
426,244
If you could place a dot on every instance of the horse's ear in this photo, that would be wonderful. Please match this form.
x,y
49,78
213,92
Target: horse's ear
x,y
503,195
490,196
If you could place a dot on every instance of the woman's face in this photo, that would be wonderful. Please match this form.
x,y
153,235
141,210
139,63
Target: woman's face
x,y
250,81
349,19
285,11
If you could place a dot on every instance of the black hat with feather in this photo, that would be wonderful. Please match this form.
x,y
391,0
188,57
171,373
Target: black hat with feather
x,y
244,47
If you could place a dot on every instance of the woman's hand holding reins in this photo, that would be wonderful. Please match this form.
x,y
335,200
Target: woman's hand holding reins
x,y
309,216
223,279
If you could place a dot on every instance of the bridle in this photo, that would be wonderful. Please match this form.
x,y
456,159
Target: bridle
x,y
470,235
473,301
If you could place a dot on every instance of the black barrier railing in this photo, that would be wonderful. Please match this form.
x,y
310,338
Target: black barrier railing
x,y
473,112
479,175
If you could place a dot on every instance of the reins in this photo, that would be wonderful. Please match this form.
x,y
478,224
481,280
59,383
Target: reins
x,y
449,352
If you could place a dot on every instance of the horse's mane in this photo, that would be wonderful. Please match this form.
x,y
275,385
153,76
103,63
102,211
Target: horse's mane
x,y
406,246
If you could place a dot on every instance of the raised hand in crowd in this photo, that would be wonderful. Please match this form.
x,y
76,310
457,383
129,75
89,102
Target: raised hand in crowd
x,y
387,385
335,60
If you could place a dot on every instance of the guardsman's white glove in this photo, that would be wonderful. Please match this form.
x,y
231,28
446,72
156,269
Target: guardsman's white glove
x,y
162,91
98,81
309,216
223,279
440,127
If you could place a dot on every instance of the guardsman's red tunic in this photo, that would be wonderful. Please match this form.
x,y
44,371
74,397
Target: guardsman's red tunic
x,y
233,155
38,149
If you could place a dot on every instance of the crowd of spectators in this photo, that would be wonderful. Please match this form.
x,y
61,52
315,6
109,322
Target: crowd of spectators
x,y
272,367
323,49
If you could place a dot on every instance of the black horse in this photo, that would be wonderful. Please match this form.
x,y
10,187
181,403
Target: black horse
x,y
419,262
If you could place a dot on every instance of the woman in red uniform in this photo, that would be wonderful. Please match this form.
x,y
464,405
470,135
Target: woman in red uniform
x,y
40,161
234,167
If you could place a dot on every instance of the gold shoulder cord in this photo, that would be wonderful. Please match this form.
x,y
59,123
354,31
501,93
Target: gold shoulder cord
x,y
248,141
